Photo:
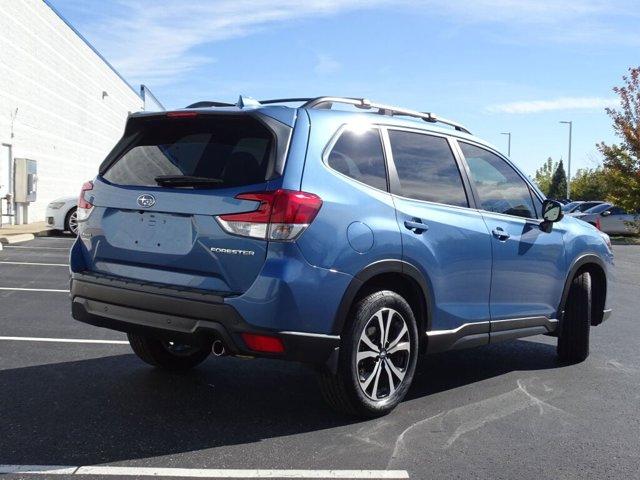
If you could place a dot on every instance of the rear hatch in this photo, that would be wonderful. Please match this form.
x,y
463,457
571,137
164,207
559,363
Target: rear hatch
x,y
156,200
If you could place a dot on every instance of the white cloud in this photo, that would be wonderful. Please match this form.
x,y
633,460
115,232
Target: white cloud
x,y
562,103
159,41
326,65
155,41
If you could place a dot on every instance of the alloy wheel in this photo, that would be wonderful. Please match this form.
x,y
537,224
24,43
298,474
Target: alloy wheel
x,y
73,223
383,354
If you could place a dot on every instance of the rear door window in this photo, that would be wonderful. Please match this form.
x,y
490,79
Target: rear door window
x,y
359,155
229,151
426,168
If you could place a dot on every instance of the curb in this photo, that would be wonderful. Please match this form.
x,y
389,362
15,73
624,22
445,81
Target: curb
x,y
20,237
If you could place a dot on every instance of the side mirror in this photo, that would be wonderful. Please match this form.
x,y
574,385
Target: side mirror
x,y
551,213
606,213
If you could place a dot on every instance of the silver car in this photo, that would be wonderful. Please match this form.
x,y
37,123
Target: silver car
x,y
610,219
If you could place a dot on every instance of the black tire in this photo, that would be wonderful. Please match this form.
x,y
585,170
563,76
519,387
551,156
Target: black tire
x,y
67,222
167,355
344,390
573,341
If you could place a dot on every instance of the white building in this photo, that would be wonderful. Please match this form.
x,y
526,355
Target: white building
x,y
61,103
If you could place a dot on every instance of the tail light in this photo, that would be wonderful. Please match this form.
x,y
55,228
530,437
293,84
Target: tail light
x,y
282,215
84,206
598,225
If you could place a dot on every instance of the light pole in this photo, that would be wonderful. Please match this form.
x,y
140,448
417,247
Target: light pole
x,y
508,144
570,123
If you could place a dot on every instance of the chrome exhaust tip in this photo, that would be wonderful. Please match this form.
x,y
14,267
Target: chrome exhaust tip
x,y
218,348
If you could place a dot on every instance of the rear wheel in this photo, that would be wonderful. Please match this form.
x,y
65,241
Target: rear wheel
x,y
168,355
377,360
573,342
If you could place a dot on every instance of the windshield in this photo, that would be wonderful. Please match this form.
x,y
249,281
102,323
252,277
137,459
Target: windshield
x,y
222,151
598,208
570,207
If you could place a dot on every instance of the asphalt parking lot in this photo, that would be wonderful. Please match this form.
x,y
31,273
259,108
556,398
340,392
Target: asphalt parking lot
x,y
502,411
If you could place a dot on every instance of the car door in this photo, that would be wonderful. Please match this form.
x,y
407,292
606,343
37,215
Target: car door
x,y
529,266
441,235
615,220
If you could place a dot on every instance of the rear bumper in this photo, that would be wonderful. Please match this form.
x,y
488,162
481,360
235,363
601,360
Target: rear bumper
x,y
184,316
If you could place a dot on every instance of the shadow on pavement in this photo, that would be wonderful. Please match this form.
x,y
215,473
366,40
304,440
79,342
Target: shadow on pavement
x,y
115,408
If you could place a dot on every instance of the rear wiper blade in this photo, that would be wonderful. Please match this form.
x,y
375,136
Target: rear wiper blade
x,y
187,181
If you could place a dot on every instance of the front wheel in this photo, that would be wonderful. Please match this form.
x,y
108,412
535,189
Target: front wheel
x,y
573,341
167,355
377,359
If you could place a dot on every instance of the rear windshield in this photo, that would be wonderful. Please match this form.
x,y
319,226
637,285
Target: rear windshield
x,y
232,151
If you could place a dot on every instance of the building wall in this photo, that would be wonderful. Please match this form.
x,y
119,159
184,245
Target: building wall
x,y
60,103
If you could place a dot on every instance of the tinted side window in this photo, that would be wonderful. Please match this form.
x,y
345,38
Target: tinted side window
x,y
499,187
427,168
359,155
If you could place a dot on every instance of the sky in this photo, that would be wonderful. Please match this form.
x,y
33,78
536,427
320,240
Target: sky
x,y
518,66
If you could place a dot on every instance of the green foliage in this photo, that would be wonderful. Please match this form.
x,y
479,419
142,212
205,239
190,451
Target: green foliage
x,y
590,184
558,187
622,162
544,174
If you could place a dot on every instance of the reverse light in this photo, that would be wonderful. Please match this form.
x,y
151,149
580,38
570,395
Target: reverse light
x,y
84,206
263,343
282,215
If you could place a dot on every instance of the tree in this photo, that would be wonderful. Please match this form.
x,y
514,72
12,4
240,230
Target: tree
x,y
558,187
544,174
622,162
590,184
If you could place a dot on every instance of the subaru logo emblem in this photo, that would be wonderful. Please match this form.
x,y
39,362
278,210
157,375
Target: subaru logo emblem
x,y
145,200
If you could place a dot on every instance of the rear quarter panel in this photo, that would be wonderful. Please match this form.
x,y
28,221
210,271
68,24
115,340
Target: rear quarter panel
x,y
366,213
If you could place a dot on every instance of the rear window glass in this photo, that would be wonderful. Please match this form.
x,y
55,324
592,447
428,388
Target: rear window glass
x,y
358,154
233,151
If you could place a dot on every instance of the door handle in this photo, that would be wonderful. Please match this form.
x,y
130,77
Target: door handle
x,y
500,234
416,226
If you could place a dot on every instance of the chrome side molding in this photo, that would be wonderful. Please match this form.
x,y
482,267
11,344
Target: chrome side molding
x,y
482,333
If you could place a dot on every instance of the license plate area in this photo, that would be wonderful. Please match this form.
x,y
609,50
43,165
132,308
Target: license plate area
x,y
165,233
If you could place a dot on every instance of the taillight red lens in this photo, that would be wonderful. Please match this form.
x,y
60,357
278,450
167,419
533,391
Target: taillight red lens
x,y
263,343
82,202
598,226
281,215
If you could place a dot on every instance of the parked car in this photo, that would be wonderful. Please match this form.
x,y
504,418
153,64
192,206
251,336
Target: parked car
x,y
61,215
349,240
583,207
611,219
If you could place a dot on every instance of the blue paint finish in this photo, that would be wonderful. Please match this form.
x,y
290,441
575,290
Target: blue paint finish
x,y
455,254
290,294
360,237
299,286
529,268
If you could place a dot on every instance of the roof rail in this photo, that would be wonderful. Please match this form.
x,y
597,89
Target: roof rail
x,y
363,103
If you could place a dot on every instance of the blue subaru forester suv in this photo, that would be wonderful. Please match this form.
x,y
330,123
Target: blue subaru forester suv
x,y
349,235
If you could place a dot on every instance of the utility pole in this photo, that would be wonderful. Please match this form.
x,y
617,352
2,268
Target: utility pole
x,y
570,123
508,144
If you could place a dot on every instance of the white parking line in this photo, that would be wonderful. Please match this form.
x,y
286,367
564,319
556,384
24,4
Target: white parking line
x,y
36,248
64,340
17,289
201,473
34,263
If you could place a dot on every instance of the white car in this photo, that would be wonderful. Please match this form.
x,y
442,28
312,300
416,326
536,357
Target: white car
x,y
61,215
